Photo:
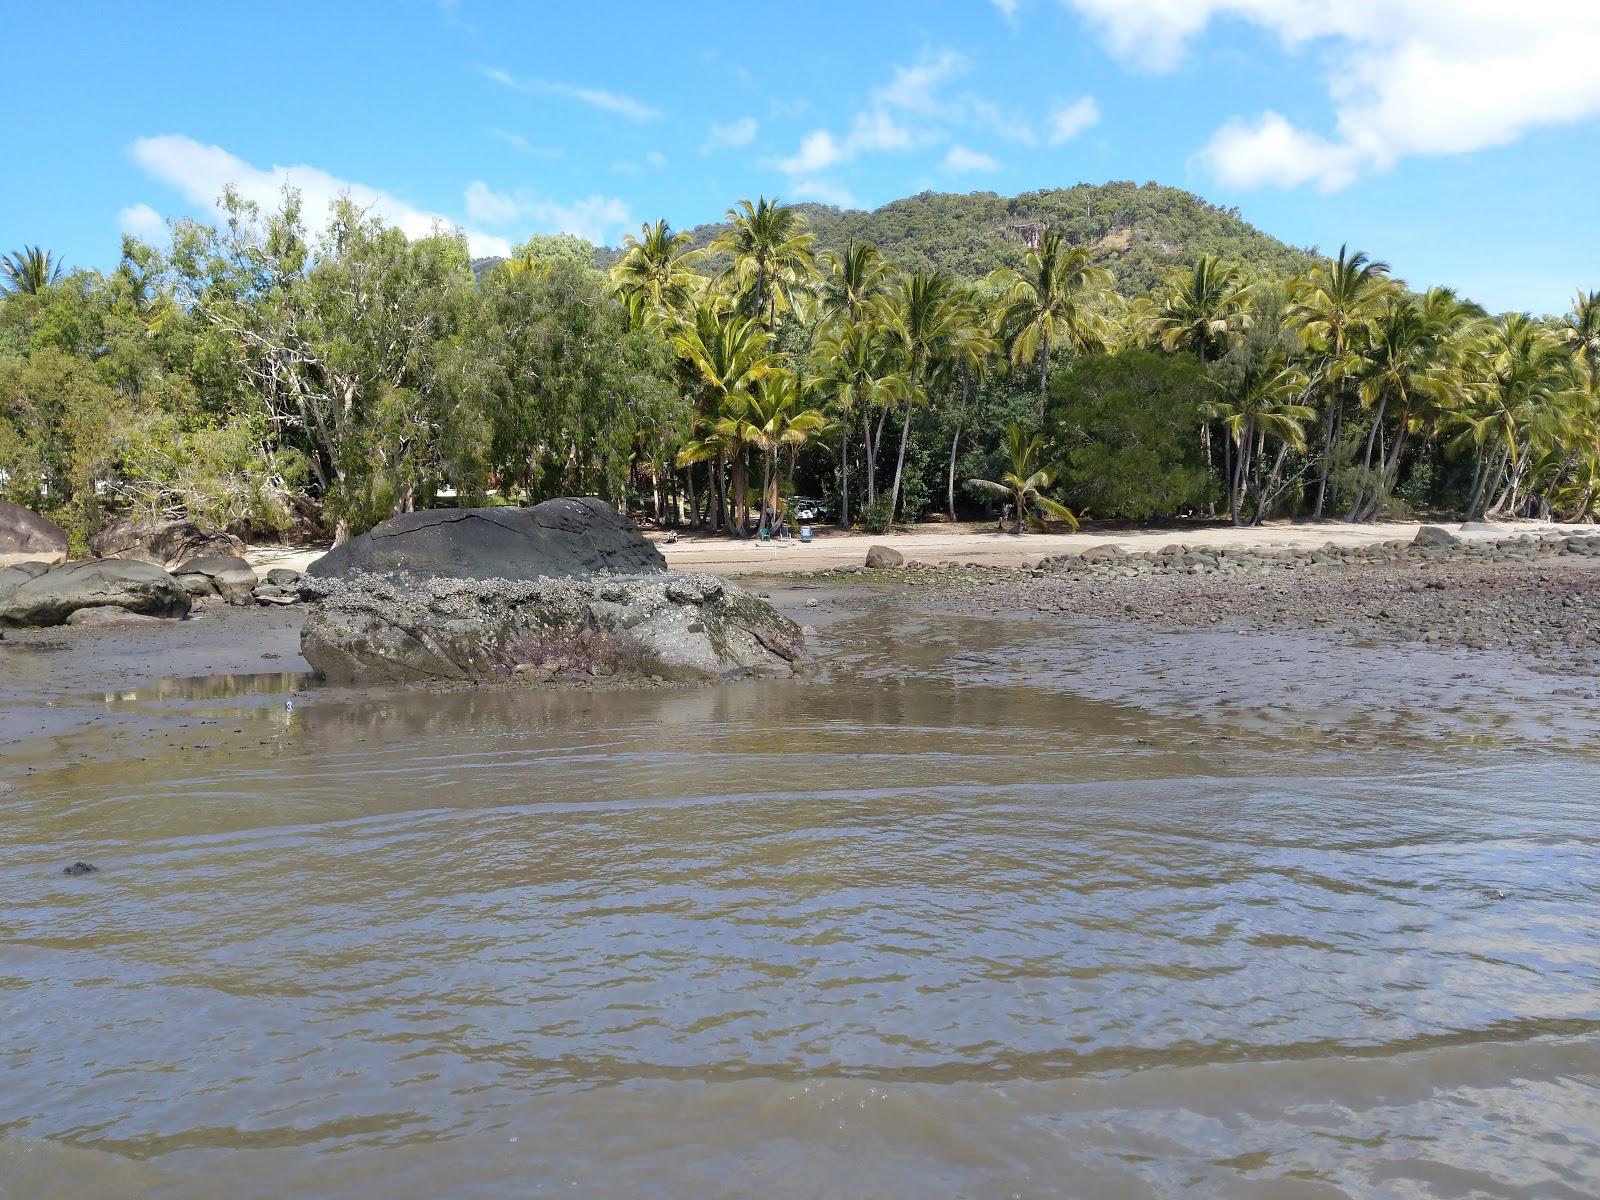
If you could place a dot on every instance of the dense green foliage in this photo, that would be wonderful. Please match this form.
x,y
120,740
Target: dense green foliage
x,y
1116,352
1125,428
1139,233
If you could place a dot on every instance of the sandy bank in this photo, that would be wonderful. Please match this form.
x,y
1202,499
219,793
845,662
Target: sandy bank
x,y
947,544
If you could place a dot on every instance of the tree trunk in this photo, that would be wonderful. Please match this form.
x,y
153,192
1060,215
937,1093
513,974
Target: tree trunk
x,y
1044,375
954,443
900,463
1230,476
844,477
1366,488
766,489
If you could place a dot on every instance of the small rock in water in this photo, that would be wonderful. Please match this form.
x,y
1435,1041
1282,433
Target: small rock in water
x,y
80,868
811,601
1494,894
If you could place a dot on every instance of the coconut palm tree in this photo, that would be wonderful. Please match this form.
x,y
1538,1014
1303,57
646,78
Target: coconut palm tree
x,y
729,355
1525,395
1051,303
852,279
855,367
777,414
1259,404
1580,333
1026,482
1202,310
655,275
927,317
28,271
1332,307
771,253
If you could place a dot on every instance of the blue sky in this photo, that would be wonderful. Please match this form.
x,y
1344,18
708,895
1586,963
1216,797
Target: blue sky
x,y
1459,139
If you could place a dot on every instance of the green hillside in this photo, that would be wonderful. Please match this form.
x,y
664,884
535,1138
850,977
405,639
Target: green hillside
x,y
1138,232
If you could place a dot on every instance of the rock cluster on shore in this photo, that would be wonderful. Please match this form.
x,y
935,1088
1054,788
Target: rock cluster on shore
x,y
1535,595
383,629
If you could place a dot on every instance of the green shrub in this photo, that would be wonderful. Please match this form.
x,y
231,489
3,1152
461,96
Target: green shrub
x,y
878,516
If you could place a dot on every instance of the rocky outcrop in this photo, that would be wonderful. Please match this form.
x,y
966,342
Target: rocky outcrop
x,y
559,538
52,597
18,574
1435,535
884,558
224,575
24,535
165,543
374,629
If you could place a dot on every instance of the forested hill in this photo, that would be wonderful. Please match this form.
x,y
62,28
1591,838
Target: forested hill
x,y
1138,232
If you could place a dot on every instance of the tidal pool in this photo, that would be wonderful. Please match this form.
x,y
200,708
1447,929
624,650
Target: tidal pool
x,y
994,908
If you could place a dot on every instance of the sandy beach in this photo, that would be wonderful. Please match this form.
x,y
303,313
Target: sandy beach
x,y
944,545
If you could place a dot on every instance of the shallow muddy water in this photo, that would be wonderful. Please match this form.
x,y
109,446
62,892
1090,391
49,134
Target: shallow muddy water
x,y
992,909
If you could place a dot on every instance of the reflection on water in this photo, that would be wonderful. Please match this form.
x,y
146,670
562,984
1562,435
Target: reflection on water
x,y
215,687
921,928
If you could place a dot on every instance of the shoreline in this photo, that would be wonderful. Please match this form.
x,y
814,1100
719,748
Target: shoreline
x,y
980,543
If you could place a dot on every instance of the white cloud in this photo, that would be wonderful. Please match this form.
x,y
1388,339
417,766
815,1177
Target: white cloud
x,y
1067,121
593,218
1007,9
960,158
143,222
1413,77
824,192
489,206
817,151
200,173
521,144
655,159
614,102
1271,151
735,133
914,88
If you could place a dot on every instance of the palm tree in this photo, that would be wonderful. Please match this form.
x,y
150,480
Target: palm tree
x,y
1580,333
655,275
1261,402
776,415
927,317
852,280
1524,397
1202,310
729,355
1025,483
854,365
29,271
1050,303
1332,308
771,252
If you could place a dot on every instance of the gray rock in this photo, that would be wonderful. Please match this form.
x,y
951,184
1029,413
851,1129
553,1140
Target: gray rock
x,y
1435,535
559,538
883,558
268,593
18,574
110,614
165,543
25,534
380,629
51,598
283,577
1097,553
225,575
80,868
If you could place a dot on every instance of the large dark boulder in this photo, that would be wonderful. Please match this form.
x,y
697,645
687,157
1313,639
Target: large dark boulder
x,y
25,534
375,629
51,598
165,542
559,538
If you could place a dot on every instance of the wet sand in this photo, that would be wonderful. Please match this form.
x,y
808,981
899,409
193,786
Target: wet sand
x,y
1008,901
